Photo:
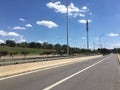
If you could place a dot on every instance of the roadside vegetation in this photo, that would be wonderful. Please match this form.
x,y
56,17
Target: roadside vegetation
x,y
12,49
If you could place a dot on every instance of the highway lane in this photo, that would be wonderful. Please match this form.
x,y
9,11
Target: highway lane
x,y
96,74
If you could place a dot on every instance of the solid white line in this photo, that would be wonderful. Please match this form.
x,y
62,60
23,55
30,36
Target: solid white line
x,y
65,79
41,69
33,71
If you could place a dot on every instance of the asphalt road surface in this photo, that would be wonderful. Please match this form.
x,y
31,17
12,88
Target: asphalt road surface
x,y
97,74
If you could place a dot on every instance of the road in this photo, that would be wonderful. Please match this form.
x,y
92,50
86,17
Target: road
x,y
97,74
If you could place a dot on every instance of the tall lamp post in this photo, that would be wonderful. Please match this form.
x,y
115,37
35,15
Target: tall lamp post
x,y
67,28
87,34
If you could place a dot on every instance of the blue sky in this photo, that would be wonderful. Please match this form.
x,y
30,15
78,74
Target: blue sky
x,y
45,21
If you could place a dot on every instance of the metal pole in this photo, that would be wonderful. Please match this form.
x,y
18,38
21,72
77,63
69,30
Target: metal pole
x,y
67,28
87,34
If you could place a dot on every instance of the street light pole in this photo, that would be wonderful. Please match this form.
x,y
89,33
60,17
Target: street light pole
x,y
87,34
67,28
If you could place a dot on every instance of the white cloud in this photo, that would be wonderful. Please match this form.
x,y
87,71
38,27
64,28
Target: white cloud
x,y
28,25
89,20
116,45
112,35
19,28
49,24
57,6
22,19
84,8
21,40
41,41
13,34
72,9
3,33
2,41
82,15
83,21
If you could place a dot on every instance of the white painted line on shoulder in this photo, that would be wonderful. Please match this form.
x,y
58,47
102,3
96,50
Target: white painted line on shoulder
x,y
34,71
65,79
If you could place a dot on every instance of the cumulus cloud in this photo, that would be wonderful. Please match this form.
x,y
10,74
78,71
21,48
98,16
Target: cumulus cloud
x,y
72,9
49,24
112,35
19,28
85,8
57,6
21,40
3,33
2,41
28,25
13,34
22,19
41,41
83,21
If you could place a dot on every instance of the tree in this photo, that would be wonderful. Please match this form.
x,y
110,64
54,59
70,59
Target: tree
x,y
23,44
104,51
49,46
64,48
58,48
32,45
45,45
10,43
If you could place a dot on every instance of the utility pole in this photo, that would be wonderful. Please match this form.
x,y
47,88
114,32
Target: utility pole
x,y
87,34
67,28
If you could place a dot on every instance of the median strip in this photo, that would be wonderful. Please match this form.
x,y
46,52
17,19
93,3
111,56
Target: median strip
x,y
20,68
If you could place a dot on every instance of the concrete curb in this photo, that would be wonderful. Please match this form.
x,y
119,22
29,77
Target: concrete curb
x,y
6,71
118,58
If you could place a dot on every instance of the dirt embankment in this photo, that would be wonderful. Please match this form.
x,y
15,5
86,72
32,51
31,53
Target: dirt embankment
x,y
20,68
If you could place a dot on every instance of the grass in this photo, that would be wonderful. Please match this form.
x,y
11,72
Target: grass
x,y
19,49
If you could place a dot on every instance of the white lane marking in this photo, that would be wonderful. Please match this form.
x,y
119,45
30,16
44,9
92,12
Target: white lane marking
x,y
65,79
40,69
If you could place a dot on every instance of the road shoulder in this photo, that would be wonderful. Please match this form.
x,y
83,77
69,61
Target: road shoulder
x,y
22,68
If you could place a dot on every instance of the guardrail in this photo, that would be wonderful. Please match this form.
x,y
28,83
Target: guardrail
x,y
40,59
28,61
